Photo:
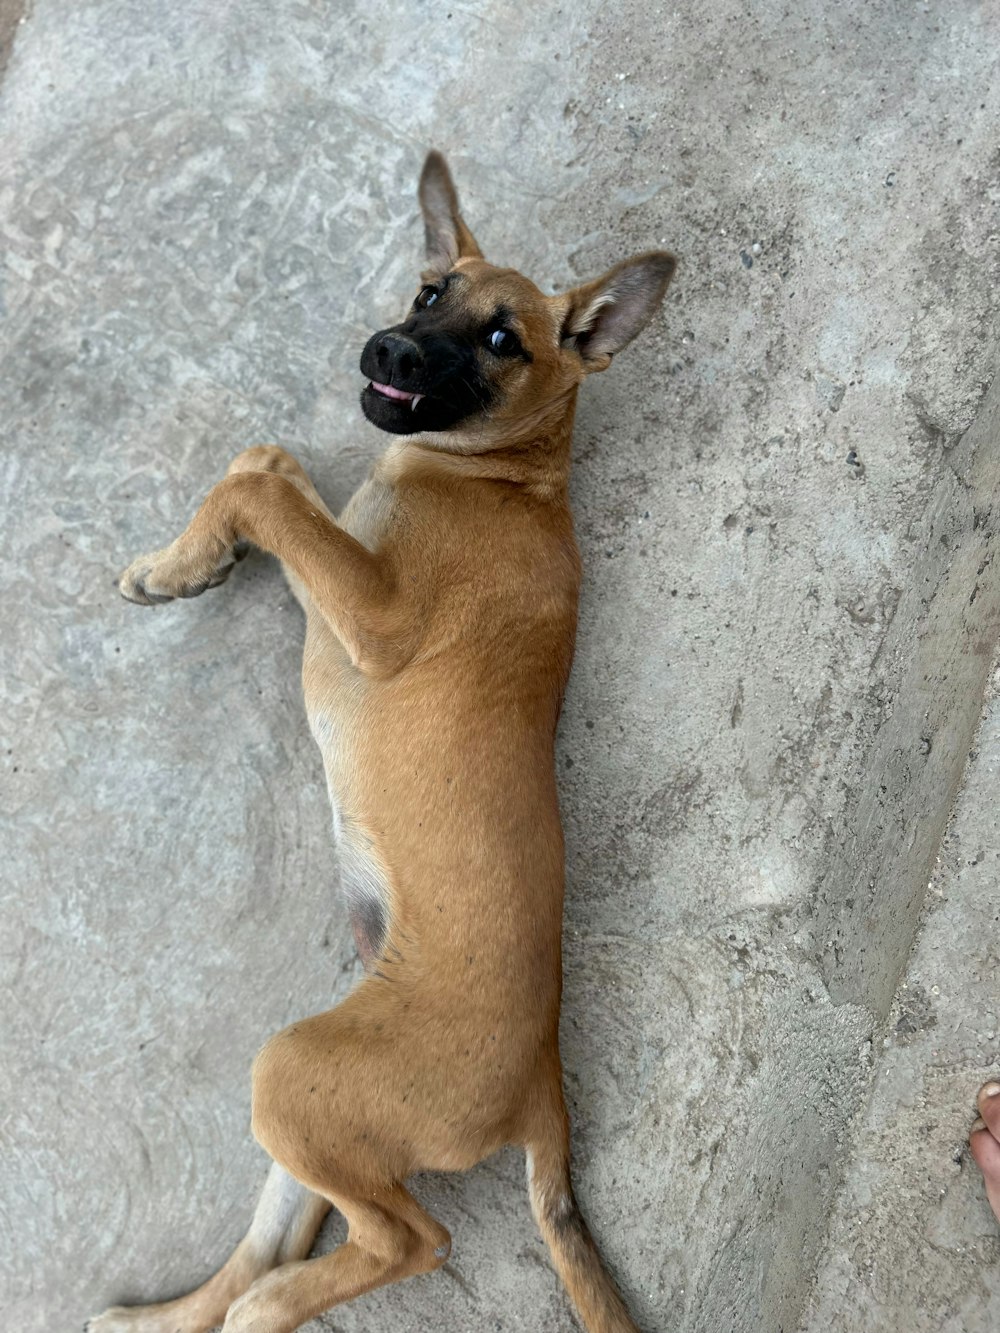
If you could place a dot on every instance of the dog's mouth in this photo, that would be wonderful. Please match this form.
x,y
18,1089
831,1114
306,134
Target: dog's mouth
x,y
443,385
396,395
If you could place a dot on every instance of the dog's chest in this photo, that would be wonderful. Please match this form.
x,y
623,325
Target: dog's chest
x,y
369,512
334,688
336,698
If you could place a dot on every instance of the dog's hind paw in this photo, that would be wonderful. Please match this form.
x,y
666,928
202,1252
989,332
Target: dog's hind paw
x,y
141,1319
118,1319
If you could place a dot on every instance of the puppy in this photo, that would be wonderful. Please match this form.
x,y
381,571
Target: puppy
x,y
440,620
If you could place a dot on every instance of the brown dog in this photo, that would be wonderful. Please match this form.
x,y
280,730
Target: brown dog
x,y
441,613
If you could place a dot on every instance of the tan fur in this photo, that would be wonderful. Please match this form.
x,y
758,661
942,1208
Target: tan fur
x,y
440,619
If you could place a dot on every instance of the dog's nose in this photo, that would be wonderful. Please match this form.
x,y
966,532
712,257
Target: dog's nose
x,y
398,358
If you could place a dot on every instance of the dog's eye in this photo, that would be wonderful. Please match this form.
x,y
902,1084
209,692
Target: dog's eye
x,y
503,342
426,297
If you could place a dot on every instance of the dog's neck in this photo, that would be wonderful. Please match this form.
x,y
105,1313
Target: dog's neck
x,y
532,451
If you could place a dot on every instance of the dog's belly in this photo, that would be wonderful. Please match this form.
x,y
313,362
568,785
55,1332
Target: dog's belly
x,y
334,696
362,875
443,796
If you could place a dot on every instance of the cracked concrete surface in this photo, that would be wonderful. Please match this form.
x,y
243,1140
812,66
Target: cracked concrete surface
x,y
785,501
913,1243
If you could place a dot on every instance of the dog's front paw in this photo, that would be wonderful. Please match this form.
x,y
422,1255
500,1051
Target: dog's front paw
x,y
180,570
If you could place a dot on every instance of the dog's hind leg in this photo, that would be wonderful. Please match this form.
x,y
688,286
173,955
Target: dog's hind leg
x,y
350,1110
390,1236
284,1227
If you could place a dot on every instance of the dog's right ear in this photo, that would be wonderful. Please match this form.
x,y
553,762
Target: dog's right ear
x,y
602,316
447,236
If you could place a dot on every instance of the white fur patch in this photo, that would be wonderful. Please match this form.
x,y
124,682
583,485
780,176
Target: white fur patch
x,y
283,1206
366,890
368,513
322,729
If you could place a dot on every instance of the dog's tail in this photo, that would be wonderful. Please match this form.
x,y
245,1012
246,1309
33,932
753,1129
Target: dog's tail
x,y
570,1243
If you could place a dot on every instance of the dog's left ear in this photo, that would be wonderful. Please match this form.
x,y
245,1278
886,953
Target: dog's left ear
x,y
604,315
448,238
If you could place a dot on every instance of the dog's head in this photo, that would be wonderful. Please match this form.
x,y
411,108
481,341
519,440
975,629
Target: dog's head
x,y
482,345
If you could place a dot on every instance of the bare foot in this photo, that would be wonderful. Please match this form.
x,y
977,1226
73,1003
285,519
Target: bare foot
x,y
984,1142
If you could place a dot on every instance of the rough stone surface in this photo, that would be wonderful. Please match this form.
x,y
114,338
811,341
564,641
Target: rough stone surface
x,y
913,1242
205,209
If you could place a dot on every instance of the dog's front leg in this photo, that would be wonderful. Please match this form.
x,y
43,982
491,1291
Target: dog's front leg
x,y
353,589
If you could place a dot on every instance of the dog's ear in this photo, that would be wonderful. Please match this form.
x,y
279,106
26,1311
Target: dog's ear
x,y
448,238
604,315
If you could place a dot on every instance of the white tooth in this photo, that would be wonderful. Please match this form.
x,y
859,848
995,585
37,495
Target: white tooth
x,y
414,400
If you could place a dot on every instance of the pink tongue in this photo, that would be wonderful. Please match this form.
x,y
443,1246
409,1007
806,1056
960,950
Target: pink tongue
x,y
390,392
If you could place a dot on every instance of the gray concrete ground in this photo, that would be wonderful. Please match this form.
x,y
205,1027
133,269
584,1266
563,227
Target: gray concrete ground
x,y
913,1244
785,498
